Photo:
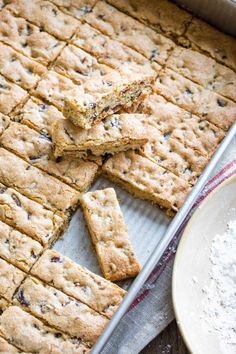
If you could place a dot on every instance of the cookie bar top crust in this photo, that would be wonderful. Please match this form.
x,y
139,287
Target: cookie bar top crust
x,y
76,8
35,184
109,234
204,71
28,39
145,179
17,248
162,15
5,347
29,217
10,279
130,32
37,149
101,98
117,133
10,95
45,15
195,99
22,70
208,39
44,339
79,65
4,122
74,280
38,115
60,311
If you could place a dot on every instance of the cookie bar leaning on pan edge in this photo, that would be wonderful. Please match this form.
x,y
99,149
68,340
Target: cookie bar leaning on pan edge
x,y
109,234
120,132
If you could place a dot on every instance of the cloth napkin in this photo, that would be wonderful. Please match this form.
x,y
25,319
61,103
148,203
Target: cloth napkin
x,y
152,309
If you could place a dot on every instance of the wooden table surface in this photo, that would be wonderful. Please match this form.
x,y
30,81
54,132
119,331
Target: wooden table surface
x,y
168,342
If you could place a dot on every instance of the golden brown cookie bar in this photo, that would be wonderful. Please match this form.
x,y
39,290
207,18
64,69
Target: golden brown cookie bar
x,y
109,235
5,347
54,87
10,279
76,8
38,115
208,39
28,39
60,311
22,70
29,217
145,179
175,156
35,184
38,151
204,71
76,281
10,95
189,130
194,98
4,122
129,31
119,132
17,248
162,15
107,50
78,65
33,336
45,15
100,98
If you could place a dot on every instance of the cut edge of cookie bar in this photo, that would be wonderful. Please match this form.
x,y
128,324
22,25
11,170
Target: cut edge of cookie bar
x,y
78,282
147,180
44,338
117,133
82,7
86,109
113,248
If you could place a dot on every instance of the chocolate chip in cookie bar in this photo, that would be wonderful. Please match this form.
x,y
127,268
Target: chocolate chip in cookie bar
x,y
28,39
117,133
76,281
76,8
109,235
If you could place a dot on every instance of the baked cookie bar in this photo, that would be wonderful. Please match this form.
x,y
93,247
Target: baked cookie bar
x,y
194,98
10,279
203,37
204,71
54,88
38,151
129,31
17,248
33,336
78,65
35,184
29,217
193,132
38,115
45,15
28,38
5,347
145,179
109,235
119,132
60,311
76,8
101,98
4,122
18,68
162,15
78,282
10,95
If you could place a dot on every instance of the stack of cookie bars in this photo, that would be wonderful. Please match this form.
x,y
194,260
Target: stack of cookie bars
x,y
49,50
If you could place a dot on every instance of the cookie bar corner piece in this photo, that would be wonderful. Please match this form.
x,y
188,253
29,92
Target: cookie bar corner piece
x,y
109,235
99,100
